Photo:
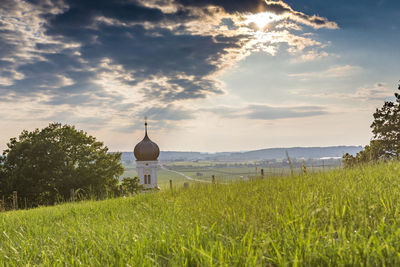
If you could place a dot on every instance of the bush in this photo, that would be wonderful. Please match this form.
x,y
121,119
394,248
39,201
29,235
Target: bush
x,y
131,185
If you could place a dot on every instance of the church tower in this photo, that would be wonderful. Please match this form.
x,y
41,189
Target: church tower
x,y
146,154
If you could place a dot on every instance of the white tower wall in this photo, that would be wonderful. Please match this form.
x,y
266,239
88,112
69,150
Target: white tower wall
x,y
148,173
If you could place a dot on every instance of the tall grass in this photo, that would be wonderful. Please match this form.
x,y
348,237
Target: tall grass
x,y
342,217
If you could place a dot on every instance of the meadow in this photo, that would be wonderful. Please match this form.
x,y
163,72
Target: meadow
x,y
337,217
222,171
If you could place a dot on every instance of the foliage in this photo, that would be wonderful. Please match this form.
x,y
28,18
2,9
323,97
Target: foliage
x,y
371,153
334,218
131,185
386,128
385,144
2,176
43,165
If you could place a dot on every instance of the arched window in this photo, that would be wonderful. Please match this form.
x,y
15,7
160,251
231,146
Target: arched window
x,y
147,179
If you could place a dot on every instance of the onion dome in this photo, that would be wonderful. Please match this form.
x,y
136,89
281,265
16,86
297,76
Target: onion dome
x,y
146,150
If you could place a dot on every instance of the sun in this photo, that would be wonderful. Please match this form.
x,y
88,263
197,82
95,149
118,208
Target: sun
x,y
261,19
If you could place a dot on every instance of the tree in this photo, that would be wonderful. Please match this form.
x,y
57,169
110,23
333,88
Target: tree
x,y
386,128
385,143
2,177
130,185
44,165
371,153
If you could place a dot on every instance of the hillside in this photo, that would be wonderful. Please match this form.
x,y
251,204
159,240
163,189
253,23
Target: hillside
x,y
263,154
331,218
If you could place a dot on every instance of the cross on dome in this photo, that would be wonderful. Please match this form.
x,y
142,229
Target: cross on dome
x,y
146,150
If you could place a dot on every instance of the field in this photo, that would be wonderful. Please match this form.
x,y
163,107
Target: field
x,y
338,217
163,176
222,171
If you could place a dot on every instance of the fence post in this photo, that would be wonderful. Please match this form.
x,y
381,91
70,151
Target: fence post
x,y
213,179
72,195
170,184
262,173
304,167
15,200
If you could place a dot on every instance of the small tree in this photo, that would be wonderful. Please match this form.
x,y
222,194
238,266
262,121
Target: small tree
x,y
386,129
386,141
131,185
44,165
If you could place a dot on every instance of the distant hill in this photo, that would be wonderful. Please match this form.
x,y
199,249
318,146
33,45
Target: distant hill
x,y
262,154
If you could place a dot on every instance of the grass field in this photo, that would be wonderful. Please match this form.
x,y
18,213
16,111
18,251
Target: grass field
x,y
204,170
340,217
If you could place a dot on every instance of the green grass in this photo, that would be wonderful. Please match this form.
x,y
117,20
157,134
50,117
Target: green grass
x,y
342,217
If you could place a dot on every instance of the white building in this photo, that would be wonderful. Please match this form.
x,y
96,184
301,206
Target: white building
x,y
146,154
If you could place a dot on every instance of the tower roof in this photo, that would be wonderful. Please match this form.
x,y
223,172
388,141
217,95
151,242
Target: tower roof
x,y
146,150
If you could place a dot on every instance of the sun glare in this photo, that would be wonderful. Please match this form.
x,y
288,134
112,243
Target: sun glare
x,y
261,19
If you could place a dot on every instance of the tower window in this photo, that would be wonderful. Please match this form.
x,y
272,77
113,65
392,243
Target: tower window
x,y
147,179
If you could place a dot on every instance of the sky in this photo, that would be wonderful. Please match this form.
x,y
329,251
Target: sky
x,y
210,75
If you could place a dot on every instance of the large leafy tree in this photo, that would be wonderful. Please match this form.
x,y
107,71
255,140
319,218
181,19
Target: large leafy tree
x,y
43,165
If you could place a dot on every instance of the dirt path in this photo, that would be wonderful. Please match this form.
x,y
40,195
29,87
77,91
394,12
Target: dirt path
x,y
184,175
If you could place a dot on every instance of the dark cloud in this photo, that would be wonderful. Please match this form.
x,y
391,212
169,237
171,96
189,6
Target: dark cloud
x,y
155,49
146,54
180,89
149,54
156,52
230,6
6,48
48,74
83,13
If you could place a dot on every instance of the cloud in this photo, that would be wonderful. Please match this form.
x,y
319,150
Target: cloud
x,y
267,112
71,117
184,61
264,112
280,7
115,61
312,55
164,116
167,113
258,6
332,72
377,92
371,93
